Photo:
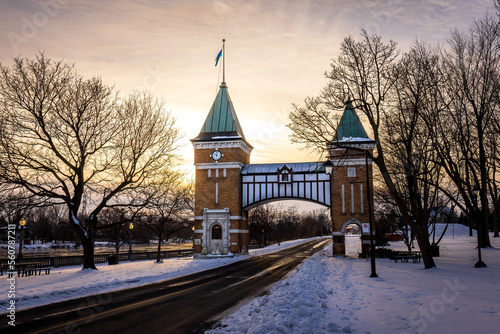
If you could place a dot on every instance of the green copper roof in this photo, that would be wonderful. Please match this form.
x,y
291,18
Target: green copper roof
x,y
350,125
221,121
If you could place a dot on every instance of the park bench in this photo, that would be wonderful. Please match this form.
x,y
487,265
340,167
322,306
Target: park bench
x,y
405,256
32,268
46,270
6,268
185,253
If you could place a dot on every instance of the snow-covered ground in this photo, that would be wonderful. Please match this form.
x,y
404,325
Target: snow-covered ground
x,y
325,294
329,295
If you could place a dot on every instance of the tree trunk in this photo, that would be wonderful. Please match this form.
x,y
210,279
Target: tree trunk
x,y
408,245
158,253
484,237
496,220
425,247
418,228
117,252
86,237
88,253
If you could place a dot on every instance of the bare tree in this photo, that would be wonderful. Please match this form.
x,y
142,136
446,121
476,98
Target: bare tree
x,y
116,231
494,166
42,221
315,222
366,73
66,138
494,182
313,124
260,223
13,204
467,119
170,205
268,222
411,158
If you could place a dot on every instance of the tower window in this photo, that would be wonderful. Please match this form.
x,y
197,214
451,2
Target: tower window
x,y
216,232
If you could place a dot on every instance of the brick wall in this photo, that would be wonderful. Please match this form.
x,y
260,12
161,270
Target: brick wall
x,y
228,180
233,154
354,188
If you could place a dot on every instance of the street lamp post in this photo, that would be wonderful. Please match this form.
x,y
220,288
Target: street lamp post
x,y
192,229
328,170
22,222
130,255
370,220
479,263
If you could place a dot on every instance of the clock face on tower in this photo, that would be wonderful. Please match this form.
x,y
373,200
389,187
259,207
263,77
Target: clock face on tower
x,y
216,155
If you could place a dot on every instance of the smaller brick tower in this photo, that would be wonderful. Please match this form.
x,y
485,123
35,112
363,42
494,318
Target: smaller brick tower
x,y
351,176
221,151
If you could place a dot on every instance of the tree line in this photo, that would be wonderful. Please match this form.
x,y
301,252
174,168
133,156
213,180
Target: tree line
x,y
48,224
270,224
434,113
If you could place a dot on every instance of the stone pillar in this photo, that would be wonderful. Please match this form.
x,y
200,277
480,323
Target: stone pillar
x,y
338,243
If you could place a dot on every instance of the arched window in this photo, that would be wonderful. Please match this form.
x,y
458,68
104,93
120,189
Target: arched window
x,y
216,232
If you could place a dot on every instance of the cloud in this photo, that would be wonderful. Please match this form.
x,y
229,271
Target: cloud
x,y
277,51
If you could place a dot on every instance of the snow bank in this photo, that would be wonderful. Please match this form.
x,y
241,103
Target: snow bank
x,y
299,303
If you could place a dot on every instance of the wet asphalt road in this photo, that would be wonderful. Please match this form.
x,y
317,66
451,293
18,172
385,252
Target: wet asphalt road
x,y
186,304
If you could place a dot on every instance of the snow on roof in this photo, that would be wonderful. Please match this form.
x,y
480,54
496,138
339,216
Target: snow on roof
x,y
226,137
355,139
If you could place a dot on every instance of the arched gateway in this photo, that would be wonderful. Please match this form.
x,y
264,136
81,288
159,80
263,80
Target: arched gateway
x,y
227,184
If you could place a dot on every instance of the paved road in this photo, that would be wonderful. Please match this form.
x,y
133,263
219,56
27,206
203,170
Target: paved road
x,y
186,304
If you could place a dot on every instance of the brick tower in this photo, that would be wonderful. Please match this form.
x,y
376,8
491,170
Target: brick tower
x,y
351,179
220,152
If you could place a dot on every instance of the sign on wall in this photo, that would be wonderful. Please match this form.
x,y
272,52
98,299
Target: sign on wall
x,y
365,227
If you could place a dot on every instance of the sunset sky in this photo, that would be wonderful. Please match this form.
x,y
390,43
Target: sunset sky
x,y
276,51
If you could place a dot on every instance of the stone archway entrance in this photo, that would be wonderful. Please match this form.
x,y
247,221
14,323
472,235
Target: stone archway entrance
x,y
215,226
227,185
353,240
364,235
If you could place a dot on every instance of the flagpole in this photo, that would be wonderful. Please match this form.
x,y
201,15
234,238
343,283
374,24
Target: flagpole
x,y
223,61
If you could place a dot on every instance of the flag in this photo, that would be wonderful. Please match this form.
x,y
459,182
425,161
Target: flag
x,y
218,57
